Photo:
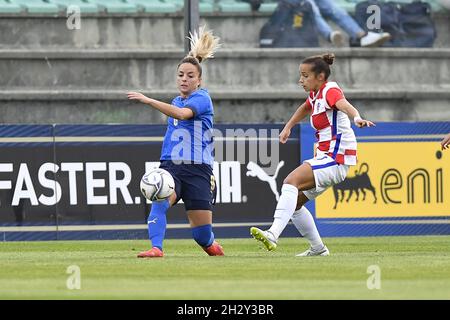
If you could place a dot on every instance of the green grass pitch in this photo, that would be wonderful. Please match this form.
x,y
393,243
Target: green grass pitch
x,y
411,268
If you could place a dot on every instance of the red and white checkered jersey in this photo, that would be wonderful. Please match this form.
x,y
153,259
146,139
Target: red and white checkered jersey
x,y
333,130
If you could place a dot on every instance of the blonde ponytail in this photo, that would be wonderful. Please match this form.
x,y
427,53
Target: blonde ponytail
x,y
203,44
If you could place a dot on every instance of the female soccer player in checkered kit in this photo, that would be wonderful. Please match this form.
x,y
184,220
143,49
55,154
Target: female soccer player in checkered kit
x,y
445,142
336,151
189,159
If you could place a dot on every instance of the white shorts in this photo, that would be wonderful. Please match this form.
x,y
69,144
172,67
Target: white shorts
x,y
327,173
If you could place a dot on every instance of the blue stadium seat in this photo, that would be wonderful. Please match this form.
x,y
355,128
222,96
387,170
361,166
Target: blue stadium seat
x,y
348,5
178,3
268,6
8,7
154,6
233,6
84,6
116,6
204,5
37,6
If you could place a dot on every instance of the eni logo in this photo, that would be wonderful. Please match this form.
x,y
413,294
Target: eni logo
x,y
396,185
392,179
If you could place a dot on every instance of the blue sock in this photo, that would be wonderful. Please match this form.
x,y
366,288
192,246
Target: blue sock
x,y
203,235
157,222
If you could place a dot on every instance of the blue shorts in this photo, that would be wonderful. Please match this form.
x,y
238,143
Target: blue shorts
x,y
194,183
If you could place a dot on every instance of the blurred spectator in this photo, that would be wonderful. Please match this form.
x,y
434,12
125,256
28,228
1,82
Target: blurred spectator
x,y
445,4
358,37
410,24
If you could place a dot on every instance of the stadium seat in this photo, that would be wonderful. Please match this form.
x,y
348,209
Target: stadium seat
x,y
154,6
233,6
207,5
348,5
8,7
116,6
178,3
268,6
204,5
37,6
84,6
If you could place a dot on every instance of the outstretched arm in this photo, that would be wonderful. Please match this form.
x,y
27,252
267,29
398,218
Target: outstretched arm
x,y
352,113
445,142
298,116
167,109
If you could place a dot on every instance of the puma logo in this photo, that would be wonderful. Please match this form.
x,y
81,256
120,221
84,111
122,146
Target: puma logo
x,y
152,221
255,170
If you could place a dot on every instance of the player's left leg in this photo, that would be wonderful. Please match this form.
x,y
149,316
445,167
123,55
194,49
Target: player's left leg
x,y
201,226
326,175
301,178
157,221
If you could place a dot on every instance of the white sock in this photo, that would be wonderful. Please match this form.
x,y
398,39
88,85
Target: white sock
x,y
285,209
304,222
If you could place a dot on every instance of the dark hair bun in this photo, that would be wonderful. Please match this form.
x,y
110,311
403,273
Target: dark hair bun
x,y
328,58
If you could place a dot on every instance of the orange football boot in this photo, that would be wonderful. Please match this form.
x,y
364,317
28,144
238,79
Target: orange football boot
x,y
152,253
214,250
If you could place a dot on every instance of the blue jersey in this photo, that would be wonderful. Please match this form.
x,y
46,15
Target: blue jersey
x,y
191,141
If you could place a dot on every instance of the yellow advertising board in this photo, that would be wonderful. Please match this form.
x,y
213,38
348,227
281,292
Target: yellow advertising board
x,y
392,179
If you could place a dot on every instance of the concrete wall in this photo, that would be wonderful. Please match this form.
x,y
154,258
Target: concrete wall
x,y
111,106
147,30
51,74
244,69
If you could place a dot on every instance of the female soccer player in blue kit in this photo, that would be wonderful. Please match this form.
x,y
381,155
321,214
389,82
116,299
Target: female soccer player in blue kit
x,y
187,150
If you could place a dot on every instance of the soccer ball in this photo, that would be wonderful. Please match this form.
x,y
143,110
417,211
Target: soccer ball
x,y
157,185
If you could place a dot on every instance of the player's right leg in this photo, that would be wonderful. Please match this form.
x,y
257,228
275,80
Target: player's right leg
x,y
157,221
265,237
